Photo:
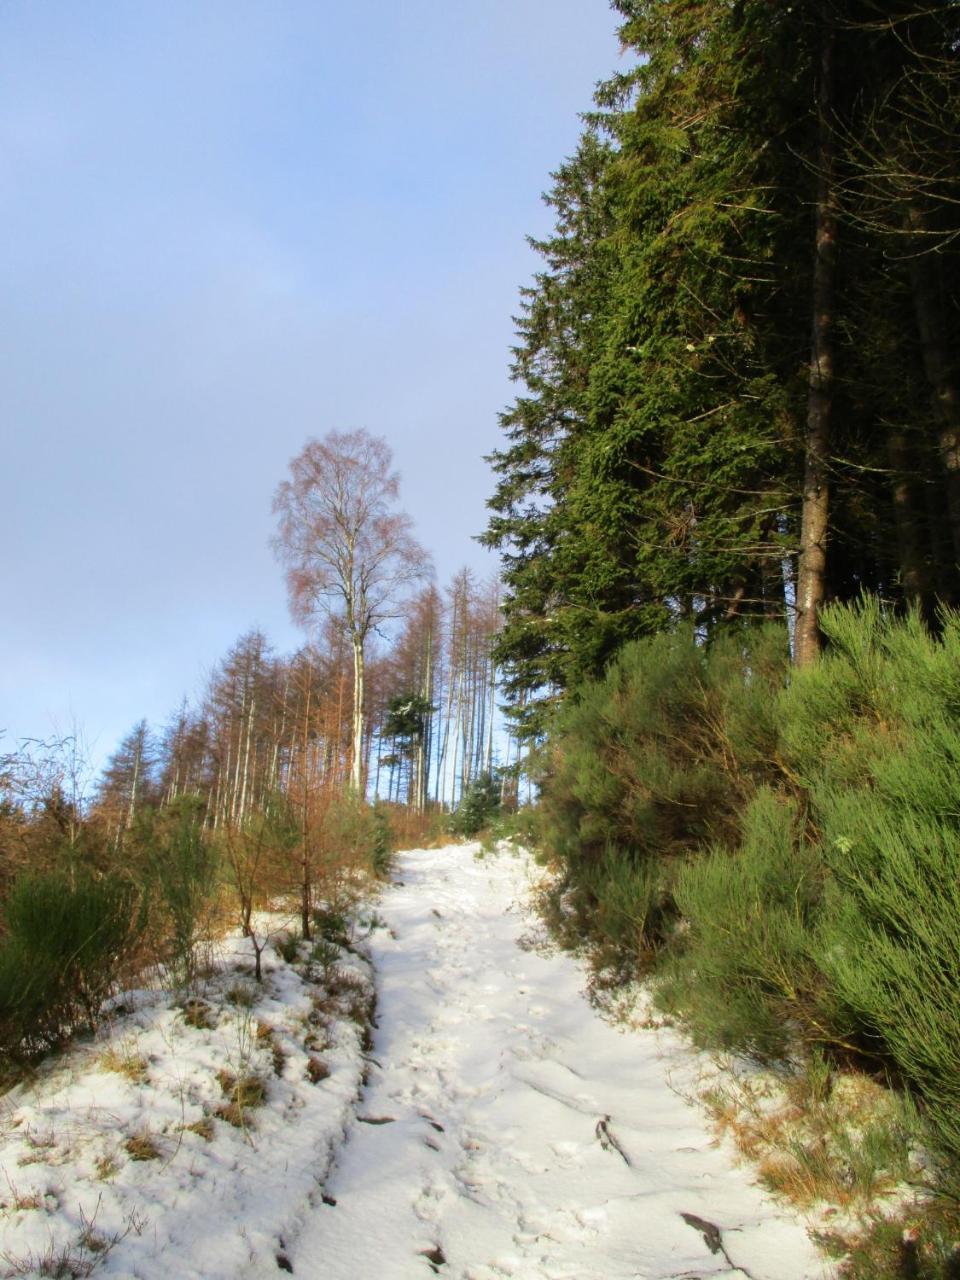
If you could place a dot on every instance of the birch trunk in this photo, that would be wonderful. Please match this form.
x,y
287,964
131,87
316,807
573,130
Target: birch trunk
x,y
356,771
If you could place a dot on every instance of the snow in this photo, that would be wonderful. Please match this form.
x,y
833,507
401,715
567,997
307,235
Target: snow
x,y
199,1208
504,1129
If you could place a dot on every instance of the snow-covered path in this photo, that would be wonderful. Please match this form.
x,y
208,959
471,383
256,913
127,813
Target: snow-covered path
x,y
509,1131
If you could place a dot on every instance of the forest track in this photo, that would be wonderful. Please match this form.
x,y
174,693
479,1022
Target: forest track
x,y
510,1131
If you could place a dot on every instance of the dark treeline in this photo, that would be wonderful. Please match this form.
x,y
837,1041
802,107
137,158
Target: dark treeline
x,y
728,513
739,359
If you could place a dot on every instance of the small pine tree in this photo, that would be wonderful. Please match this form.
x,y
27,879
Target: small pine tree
x,y
478,806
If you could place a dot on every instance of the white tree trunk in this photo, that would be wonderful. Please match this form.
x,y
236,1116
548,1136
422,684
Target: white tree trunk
x,y
356,770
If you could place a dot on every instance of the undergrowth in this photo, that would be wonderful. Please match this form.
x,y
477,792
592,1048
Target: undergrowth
x,y
780,850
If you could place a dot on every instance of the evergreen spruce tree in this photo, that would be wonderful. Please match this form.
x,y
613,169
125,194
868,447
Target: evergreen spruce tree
x,y
739,401
530,524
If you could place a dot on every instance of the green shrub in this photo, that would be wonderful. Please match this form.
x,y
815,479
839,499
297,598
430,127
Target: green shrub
x,y
358,833
742,970
381,841
786,842
182,868
651,763
875,730
479,805
630,907
65,938
288,947
331,925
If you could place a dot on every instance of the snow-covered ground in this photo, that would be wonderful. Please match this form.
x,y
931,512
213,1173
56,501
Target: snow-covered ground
x,y
504,1129
520,1135
150,1151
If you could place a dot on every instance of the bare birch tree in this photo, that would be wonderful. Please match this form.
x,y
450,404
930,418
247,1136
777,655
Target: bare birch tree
x,y
347,552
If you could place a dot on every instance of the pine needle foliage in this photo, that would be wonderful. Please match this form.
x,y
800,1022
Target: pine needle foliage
x,y
478,807
652,762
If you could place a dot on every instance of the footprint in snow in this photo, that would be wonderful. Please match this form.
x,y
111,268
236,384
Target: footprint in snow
x,y
568,1152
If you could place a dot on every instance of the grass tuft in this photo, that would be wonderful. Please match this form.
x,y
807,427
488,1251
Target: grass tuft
x,y
142,1146
199,1014
203,1128
125,1060
242,995
243,1093
317,1069
820,1137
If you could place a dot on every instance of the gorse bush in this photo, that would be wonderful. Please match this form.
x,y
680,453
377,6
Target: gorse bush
x,y
881,761
629,906
182,873
743,968
655,760
785,844
65,938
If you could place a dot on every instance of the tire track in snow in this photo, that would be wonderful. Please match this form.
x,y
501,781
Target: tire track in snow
x,y
524,1137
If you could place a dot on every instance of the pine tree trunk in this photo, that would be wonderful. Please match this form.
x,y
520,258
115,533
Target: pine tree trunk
x,y
940,371
914,570
815,512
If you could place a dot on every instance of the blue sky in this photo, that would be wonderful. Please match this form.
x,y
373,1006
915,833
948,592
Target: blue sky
x,y
226,226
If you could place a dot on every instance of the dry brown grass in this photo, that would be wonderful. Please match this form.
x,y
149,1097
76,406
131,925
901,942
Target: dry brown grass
x,y
43,1149
266,1037
817,1137
242,995
107,1167
124,1059
204,1128
411,830
142,1146
243,1094
317,1069
231,1114
347,992
19,1201
199,1014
